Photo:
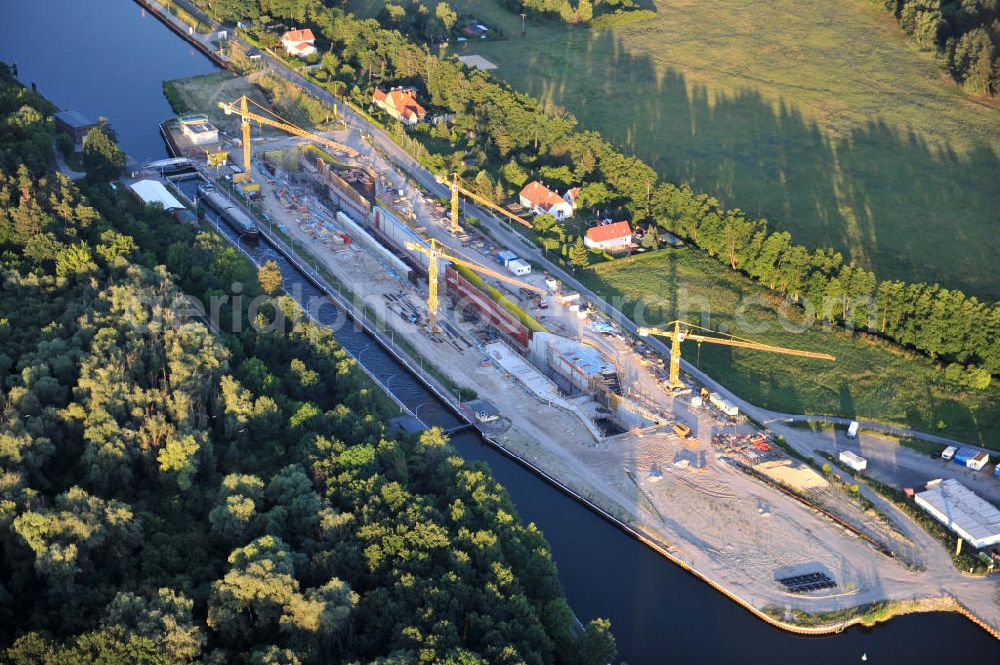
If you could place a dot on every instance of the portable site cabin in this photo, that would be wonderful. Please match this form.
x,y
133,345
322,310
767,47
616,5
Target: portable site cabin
x,y
853,460
730,410
852,429
519,267
971,458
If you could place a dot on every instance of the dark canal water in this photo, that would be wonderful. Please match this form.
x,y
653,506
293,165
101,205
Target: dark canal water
x,y
104,58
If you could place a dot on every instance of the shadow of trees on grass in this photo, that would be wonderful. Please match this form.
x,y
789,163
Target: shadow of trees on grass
x,y
884,196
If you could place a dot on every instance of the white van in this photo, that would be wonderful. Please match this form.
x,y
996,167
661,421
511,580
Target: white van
x,y
852,429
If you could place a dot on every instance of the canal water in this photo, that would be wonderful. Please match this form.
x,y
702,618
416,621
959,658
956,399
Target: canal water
x,y
106,58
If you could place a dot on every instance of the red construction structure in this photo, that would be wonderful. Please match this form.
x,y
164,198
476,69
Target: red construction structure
x,y
500,319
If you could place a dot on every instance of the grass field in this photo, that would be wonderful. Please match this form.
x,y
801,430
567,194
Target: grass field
x,y
870,379
821,116
201,94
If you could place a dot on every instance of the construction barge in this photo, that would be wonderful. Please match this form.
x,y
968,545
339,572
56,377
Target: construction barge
x,y
242,223
190,135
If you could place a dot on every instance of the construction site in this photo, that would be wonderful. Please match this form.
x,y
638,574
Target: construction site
x,y
560,384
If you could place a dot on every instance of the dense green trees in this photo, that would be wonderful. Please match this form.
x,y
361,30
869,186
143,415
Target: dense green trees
x,y
102,158
964,33
172,495
580,11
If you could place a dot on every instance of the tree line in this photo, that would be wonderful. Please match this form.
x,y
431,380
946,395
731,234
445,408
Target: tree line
x,y
517,137
582,12
965,35
169,494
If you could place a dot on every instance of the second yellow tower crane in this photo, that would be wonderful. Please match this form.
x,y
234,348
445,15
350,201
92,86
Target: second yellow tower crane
x,y
241,107
434,253
682,331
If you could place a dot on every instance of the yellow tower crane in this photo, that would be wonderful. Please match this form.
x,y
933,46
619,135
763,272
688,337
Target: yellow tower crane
x,y
241,107
433,254
682,332
457,189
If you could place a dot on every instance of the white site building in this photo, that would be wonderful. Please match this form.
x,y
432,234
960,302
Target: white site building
x,y
853,460
973,518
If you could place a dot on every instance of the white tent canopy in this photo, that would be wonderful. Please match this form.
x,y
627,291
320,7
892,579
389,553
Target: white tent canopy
x,y
152,191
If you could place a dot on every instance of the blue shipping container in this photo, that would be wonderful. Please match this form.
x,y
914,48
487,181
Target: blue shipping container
x,y
506,257
964,455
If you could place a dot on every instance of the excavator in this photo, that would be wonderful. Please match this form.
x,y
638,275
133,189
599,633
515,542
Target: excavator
x,y
434,253
241,107
680,331
456,189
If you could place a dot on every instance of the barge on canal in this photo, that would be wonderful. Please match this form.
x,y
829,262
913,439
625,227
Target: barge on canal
x,y
241,222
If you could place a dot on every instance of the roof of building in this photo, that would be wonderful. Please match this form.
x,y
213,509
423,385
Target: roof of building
x,y
965,454
73,119
304,35
573,194
404,100
192,118
587,361
153,191
540,196
607,232
977,517
303,46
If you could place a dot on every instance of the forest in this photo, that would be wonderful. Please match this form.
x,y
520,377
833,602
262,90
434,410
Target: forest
x,y
965,35
174,493
512,137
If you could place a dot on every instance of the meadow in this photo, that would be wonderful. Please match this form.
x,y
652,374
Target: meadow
x,y
822,117
870,378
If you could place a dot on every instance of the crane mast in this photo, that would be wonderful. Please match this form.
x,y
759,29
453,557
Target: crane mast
x,y
241,108
679,334
434,253
457,189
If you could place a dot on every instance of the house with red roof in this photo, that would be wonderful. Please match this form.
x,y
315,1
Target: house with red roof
x,y
614,237
300,43
572,196
401,104
541,200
